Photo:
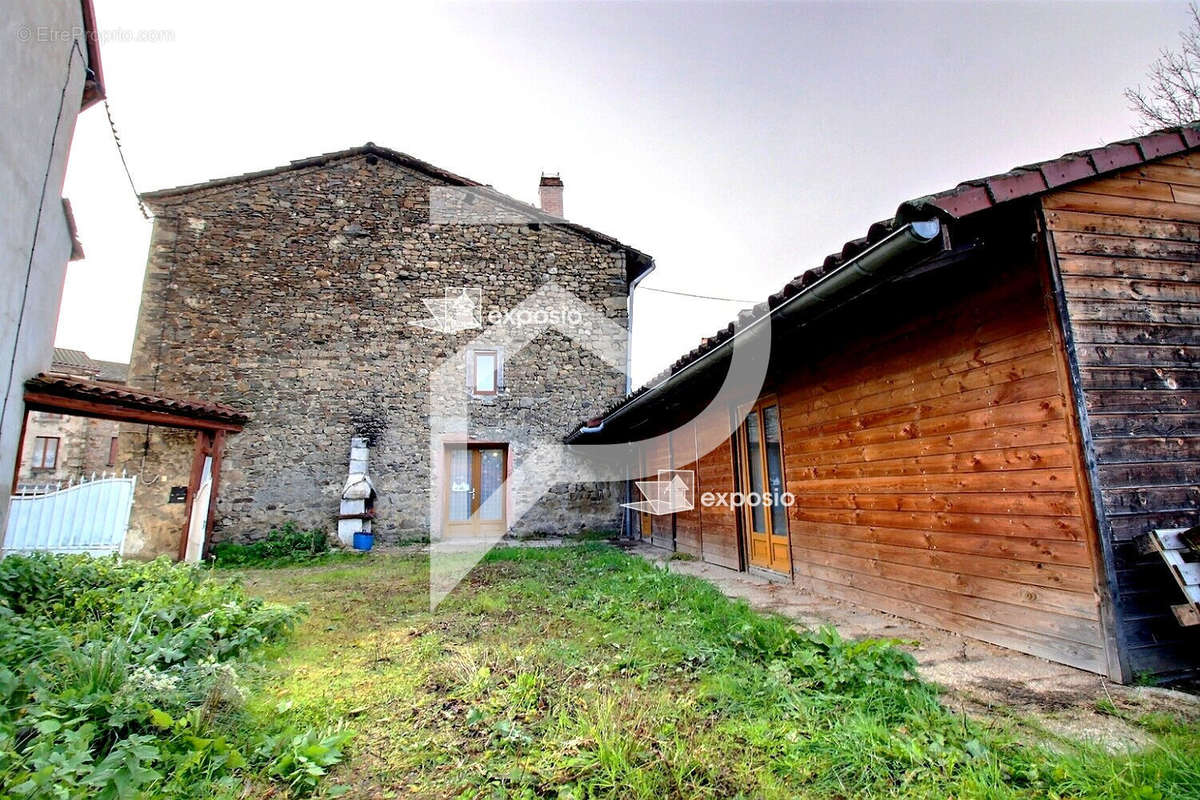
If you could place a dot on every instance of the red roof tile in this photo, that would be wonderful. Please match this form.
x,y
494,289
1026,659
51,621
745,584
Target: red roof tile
x,y
129,397
1157,145
1066,170
962,201
1017,183
1115,156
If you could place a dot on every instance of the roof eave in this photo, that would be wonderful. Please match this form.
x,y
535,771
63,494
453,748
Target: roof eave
x,y
637,262
93,84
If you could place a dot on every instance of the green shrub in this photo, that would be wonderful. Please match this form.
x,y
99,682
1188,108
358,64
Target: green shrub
x,y
121,680
286,544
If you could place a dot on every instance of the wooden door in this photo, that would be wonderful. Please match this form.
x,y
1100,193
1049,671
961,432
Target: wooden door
x,y
762,489
474,494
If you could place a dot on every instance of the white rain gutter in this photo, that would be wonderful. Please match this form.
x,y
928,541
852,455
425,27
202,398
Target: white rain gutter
x,y
629,335
867,264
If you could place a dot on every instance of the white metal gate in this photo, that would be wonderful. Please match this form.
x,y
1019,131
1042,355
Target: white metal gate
x,y
87,517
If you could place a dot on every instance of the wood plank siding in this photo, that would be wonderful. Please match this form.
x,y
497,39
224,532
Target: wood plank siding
x,y
936,472
1127,250
719,529
687,523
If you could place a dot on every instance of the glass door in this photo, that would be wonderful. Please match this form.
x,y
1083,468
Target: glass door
x,y
474,491
489,465
762,487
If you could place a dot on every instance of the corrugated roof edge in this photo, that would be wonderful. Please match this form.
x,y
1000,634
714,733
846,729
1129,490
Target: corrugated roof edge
x,y
69,357
967,198
160,197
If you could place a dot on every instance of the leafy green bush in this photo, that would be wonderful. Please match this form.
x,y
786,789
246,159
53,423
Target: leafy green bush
x,y
121,680
286,544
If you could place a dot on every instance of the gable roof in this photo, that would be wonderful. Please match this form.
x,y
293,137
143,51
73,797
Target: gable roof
x,y
964,200
76,362
370,148
66,358
637,262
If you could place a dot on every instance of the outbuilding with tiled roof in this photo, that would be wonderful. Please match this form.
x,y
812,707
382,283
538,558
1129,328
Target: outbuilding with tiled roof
x,y
972,416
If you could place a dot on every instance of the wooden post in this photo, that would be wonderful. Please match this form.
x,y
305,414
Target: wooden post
x,y
20,453
202,449
218,449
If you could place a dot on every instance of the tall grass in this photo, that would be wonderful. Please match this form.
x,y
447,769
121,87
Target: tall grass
x,y
582,672
124,680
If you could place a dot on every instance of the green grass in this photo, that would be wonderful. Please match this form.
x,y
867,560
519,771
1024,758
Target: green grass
x,y
580,672
277,562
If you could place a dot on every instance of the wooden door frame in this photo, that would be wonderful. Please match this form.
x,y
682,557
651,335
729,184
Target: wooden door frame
x,y
742,477
472,446
645,520
16,476
208,443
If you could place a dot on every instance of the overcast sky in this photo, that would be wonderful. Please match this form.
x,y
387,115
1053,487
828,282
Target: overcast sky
x,y
736,143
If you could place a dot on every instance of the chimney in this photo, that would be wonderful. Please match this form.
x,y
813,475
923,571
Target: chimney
x,y
550,194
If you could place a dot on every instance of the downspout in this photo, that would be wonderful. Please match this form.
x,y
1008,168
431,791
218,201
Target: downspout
x,y
627,515
629,329
868,264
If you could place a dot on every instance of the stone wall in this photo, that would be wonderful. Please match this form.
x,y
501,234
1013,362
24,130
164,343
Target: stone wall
x,y
293,297
162,459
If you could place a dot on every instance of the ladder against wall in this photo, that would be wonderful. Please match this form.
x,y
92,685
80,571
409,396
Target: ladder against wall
x,y
1180,549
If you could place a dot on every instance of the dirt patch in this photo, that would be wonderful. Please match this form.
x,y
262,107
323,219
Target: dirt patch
x,y
1023,696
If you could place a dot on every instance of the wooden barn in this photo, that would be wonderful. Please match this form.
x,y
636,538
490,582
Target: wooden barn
x,y
976,412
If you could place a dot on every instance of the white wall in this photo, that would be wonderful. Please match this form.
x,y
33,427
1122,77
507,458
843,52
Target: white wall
x,y
35,44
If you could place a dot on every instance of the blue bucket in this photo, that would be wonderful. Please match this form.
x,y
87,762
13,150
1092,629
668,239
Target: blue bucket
x,y
364,541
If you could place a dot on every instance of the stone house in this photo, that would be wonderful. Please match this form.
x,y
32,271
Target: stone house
x,y
323,297
59,448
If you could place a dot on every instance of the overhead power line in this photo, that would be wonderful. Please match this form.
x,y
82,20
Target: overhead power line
x,y
699,296
121,152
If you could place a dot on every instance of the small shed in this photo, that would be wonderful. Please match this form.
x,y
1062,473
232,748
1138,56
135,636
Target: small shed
x,y
209,423
972,412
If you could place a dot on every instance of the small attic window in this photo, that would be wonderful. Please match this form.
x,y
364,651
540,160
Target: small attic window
x,y
486,371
